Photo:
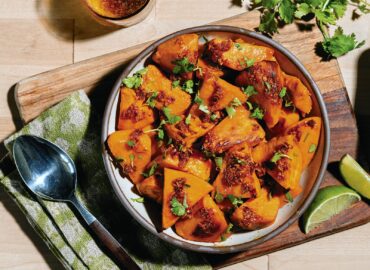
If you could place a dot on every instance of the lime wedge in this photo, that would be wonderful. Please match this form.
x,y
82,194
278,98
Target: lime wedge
x,y
328,202
355,176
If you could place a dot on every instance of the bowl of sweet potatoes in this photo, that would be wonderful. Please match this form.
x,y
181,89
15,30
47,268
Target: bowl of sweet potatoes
x,y
215,138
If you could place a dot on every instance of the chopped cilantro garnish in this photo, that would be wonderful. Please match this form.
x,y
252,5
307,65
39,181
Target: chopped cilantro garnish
x,y
197,99
234,200
312,148
249,90
177,208
188,119
218,161
138,200
238,46
219,197
250,106
277,156
268,86
257,113
151,100
182,66
176,83
230,111
135,80
171,119
248,62
213,117
131,143
235,102
188,86
204,108
151,170
282,92
289,197
229,228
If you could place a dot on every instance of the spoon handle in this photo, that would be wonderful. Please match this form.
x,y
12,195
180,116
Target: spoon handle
x,y
105,237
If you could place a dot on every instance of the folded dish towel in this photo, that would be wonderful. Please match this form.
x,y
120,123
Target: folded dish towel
x,y
74,125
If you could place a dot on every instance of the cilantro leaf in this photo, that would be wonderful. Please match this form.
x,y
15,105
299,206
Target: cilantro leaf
x,y
151,170
131,143
302,10
238,46
289,197
282,92
268,23
257,113
188,119
235,102
204,108
171,119
182,66
340,44
219,197
286,11
188,86
175,83
277,156
135,80
177,208
230,111
138,200
312,148
249,91
234,200
151,100
218,161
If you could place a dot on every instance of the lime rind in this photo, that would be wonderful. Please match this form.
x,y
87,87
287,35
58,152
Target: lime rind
x,y
355,176
328,202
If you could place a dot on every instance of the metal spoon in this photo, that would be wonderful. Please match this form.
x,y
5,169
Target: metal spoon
x,y
51,174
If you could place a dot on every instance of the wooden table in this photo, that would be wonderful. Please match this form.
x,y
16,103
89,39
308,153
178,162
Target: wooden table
x,y
38,35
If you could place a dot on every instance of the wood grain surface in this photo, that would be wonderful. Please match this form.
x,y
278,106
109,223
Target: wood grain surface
x,y
39,92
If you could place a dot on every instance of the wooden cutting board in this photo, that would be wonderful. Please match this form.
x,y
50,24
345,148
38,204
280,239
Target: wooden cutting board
x,y
97,76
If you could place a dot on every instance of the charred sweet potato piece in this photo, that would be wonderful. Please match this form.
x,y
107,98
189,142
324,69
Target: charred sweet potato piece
x,y
217,93
267,79
237,176
156,145
152,188
132,150
192,162
187,132
207,69
206,224
231,131
257,213
177,48
306,135
287,119
283,160
154,81
236,55
180,193
133,114
299,93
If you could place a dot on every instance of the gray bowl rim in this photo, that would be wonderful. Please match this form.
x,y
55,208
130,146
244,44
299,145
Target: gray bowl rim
x,y
306,202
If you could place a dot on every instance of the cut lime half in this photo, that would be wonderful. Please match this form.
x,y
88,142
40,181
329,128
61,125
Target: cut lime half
x,y
355,176
328,202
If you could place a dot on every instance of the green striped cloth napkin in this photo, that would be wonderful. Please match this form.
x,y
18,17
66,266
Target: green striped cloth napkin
x,y
74,125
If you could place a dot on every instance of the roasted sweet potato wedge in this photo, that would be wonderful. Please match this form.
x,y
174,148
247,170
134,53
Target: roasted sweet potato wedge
x,y
287,119
192,162
237,176
155,82
236,55
132,150
306,135
217,93
206,224
267,79
181,192
133,114
231,131
257,213
152,188
283,160
178,48
299,93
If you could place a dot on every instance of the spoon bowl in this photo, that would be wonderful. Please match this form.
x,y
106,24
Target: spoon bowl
x,y
50,173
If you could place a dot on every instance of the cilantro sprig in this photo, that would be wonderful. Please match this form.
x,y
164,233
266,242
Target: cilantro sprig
x,y
178,208
182,66
135,80
326,12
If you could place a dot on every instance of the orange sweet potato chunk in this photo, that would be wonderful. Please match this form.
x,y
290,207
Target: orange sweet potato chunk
x,y
181,186
207,222
217,93
237,176
234,55
167,96
132,159
133,114
306,135
257,213
207,69
191,162
152,188
175,49
235,130
299,93
287,119
283,160
267,79
187,134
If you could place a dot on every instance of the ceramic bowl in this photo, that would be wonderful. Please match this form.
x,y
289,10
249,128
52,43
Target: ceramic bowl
x,y
149,216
